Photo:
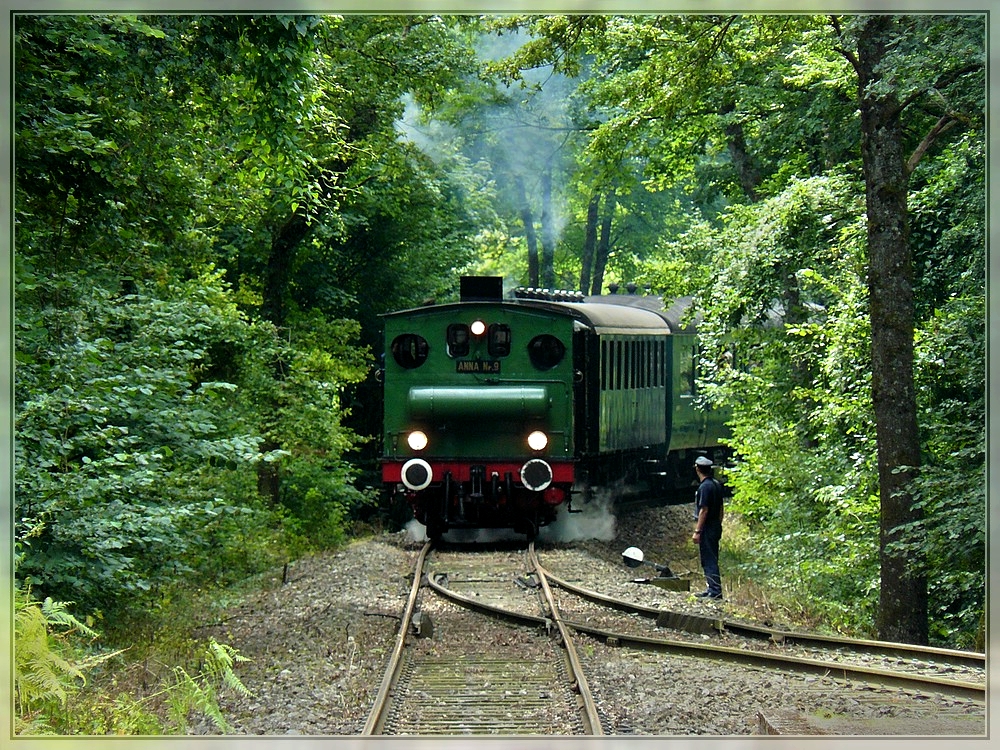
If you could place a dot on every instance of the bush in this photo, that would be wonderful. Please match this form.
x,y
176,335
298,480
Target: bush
x,y
144,423
126,458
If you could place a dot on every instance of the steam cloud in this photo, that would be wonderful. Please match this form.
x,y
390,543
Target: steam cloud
x,y
596,520
521,133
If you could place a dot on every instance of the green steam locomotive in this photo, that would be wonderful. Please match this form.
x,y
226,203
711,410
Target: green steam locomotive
x,y
499,411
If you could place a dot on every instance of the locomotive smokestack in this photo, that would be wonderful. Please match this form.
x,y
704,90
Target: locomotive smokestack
x,y
481,288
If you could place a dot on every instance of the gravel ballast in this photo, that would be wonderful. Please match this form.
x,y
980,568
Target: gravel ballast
x,y
319,643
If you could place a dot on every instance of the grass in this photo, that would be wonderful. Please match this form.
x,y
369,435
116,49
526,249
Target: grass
x,y
787,606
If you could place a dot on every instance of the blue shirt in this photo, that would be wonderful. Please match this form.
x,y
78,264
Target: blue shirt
x,y
709,495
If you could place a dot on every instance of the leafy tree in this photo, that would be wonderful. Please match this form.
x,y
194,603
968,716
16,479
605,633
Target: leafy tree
x,y
212,211
889,84
144,150
785,315
947,238
752,110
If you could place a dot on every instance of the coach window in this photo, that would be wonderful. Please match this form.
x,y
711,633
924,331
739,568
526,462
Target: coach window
x,y
499,340
640,364
644,366
621,365
637,363
688,365
409,350
651,359
651,353
618,355
630,364
661,363
604,364
627,364
653,344
458,340
632,368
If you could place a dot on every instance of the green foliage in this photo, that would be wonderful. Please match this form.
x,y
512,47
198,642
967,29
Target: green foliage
x,y
200,693
950,489
178,423
301,411
137,461
784,323
788,312
127,456
946,234
51,696
148,394
104,714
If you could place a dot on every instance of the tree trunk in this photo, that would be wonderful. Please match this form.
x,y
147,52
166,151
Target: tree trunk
x,y
529,231
603,244
903,606
548,270
748,174
589,242
284,243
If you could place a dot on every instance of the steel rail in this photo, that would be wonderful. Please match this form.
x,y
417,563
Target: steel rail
x,y
592,719
588,708
871,675
434,580
868,675
701,624
376,718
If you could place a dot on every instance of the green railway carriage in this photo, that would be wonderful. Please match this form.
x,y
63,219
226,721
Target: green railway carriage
x,y
499,410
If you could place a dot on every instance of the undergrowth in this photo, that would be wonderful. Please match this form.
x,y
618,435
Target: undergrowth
x,y
775,596
67,684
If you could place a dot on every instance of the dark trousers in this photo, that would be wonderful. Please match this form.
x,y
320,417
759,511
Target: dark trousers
x,y
708,547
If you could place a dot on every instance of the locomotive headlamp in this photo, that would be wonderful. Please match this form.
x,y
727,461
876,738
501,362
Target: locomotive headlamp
x,y
416,440
478,328
538,440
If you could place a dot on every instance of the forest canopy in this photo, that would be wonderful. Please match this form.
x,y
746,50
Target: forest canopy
x,y
212,211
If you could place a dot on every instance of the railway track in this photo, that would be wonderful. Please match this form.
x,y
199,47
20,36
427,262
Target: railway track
x,y
951,672
529,682
534,682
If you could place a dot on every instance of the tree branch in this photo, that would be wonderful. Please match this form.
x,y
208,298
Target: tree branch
x,y
848,55
945,80
946,123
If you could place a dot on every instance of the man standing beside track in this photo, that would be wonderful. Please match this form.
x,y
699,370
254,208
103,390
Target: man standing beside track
x,y
708,528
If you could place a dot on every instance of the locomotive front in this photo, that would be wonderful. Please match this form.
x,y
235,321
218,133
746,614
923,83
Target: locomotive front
x,y
478,429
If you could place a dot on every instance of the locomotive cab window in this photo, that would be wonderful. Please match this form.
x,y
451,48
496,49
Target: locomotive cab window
x,y
546,351
499,340
458,340
409,350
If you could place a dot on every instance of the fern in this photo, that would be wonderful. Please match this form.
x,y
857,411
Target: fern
x,y
45,672
188,694
220,665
